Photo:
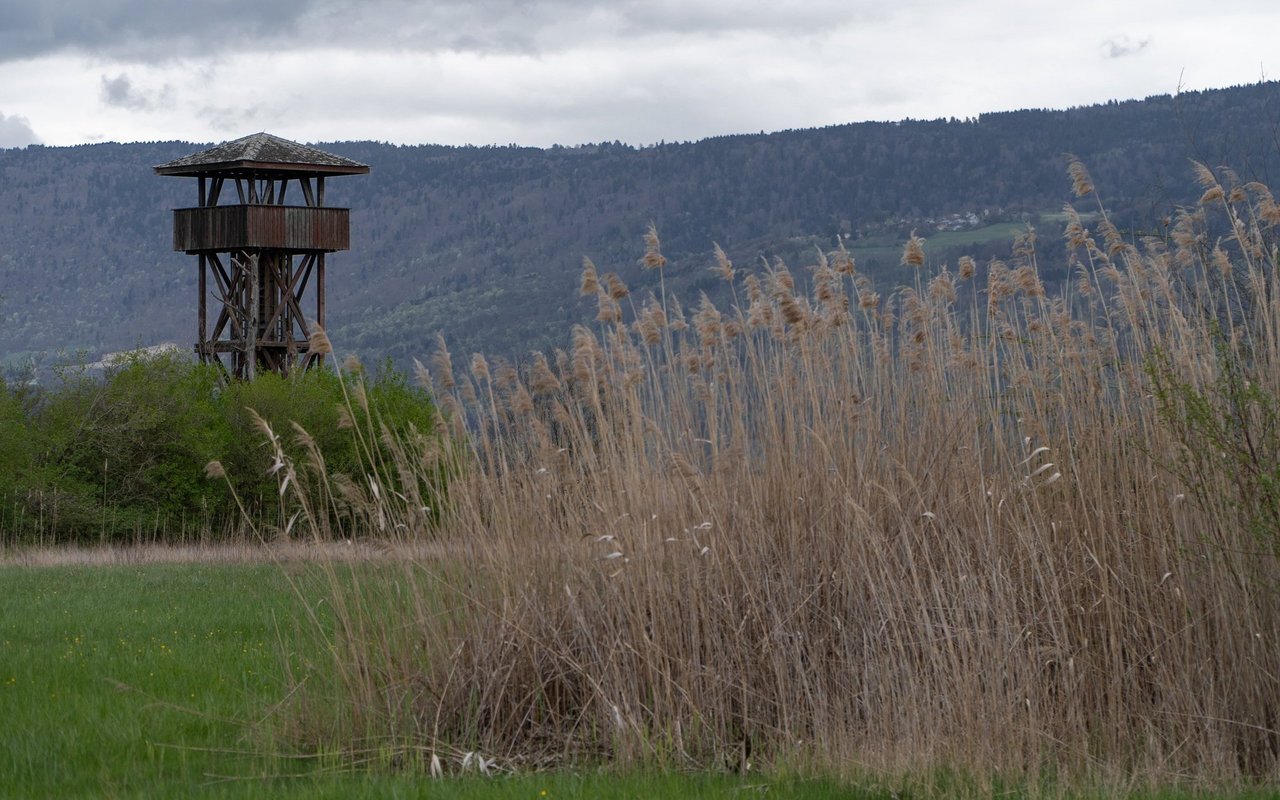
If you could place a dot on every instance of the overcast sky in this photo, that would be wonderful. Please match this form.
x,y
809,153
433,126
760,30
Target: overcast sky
x,y
575,71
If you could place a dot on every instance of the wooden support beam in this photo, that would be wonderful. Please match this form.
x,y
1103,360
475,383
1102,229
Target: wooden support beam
x,y
223,317
224,314
202,318
251,329
220,273
320,290
232,303
289,295
297,310
268,293
306,191
308,263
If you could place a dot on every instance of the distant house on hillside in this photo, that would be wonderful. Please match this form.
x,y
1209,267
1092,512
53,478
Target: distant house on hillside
x,y
140,354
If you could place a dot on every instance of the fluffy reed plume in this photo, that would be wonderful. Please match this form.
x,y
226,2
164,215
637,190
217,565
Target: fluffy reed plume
x,y
607,308
723,265
443,363
590,282
318,342
1030,535
913,253
942,288
842,262
479,367
1081,182
653,258
421,374
544,380
1211,195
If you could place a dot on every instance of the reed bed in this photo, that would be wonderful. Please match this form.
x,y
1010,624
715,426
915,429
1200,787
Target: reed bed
x,y
973,523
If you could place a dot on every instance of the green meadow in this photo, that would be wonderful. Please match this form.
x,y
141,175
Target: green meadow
x,y
887,249
127,680
161,680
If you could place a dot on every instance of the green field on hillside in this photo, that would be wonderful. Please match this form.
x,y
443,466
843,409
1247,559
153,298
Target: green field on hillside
x,y
887,249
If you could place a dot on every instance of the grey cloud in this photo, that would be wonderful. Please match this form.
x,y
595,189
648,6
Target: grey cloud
x,y
119,92
236,120
15,131
551,25
1121,46
157,30
727,16
143,29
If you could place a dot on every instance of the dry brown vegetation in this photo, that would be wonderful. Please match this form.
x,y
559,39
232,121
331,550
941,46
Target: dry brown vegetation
x,y
242,551
977,527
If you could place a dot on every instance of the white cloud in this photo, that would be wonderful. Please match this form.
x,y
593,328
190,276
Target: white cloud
x,y
1121,46
570,71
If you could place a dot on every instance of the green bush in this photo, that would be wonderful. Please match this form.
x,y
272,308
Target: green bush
x,y
123,456
1229,431
16,446
310,400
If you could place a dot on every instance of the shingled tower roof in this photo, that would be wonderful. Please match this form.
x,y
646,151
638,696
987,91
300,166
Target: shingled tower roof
x,y
262,153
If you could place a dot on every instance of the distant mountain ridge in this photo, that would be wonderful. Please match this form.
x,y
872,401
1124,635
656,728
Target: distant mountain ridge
x,y
484,244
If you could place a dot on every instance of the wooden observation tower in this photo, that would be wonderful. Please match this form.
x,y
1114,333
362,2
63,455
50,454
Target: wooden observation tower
x,y
263,254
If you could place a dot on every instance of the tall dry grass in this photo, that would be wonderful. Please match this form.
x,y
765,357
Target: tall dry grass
x,y
972,526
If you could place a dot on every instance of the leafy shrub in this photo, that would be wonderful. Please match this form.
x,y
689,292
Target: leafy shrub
x,y
141,436
124,455
15,449
1228,431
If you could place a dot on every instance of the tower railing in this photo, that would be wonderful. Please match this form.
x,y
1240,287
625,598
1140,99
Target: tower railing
x,y
294,228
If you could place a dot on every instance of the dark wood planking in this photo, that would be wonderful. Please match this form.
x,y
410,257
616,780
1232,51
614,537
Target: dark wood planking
x,y
292,228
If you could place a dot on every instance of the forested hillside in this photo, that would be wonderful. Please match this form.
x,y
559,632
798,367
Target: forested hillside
x,y
485,244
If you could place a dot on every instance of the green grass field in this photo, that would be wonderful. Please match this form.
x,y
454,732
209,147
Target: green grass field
x,y
158,680
886,250
125,680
